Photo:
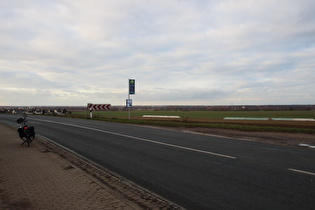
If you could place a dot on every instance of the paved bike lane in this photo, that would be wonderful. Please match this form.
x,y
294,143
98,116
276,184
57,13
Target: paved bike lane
x,y
33,178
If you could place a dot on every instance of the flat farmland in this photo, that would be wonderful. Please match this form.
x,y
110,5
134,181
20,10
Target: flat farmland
x,y
207,114
215,119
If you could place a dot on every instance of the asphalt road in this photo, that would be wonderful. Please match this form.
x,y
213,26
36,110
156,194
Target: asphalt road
x,y
192,170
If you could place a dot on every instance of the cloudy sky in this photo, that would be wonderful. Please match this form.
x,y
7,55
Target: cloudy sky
x,y
180,52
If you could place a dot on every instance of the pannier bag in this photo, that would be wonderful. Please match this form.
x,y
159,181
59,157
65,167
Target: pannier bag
x,y
32,130
22,133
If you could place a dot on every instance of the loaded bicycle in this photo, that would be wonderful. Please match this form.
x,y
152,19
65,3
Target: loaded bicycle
x,y
26,133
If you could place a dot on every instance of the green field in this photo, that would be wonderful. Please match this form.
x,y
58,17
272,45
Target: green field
x,y
205,114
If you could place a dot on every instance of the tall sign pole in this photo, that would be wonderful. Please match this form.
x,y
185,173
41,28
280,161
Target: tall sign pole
x,y
129,106
132,88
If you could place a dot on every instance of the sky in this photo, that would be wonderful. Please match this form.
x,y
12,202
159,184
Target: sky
x,y
180,52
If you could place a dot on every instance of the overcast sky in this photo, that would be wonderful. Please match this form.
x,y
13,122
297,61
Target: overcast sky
x,y
180,52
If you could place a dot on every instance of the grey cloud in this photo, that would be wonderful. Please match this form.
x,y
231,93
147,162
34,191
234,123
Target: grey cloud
x,y
197,51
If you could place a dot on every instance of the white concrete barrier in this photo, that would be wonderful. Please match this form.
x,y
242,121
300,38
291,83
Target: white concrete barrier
x,y
284,119
294,119
244,118
161,116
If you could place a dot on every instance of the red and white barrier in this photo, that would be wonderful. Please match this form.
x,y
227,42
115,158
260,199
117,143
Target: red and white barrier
x,y
99,106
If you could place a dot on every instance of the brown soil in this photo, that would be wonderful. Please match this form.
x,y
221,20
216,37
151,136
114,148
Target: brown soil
x,y
279,138
289,139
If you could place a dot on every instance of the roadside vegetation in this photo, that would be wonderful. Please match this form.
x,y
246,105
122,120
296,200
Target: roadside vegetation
x,y
214,119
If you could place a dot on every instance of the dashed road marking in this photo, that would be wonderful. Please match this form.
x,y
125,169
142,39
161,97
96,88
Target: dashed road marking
x,y
300,171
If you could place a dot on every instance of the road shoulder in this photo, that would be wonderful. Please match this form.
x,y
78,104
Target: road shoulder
x,y
46,176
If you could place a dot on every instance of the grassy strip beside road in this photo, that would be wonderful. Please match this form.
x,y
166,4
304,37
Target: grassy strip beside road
x,y
229,125
214,119
207,114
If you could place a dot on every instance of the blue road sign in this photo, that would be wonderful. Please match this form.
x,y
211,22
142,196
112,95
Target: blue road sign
x,y
132,86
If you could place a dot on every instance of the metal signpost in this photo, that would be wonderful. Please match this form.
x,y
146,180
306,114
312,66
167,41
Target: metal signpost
x,y
132,91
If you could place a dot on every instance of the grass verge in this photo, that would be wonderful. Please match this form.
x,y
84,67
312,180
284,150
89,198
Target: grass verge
x,y
242,126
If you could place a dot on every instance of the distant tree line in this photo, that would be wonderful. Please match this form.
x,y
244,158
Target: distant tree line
x,y
23,110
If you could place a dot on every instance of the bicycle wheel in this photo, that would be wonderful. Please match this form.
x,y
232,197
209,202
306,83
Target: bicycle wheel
x,y
30,137
27,137
23,135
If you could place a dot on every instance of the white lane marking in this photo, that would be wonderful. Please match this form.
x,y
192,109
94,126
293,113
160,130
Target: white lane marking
x,y
300,171
145,140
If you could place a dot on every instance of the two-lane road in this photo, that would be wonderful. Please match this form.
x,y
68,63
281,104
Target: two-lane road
x,y
195,171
